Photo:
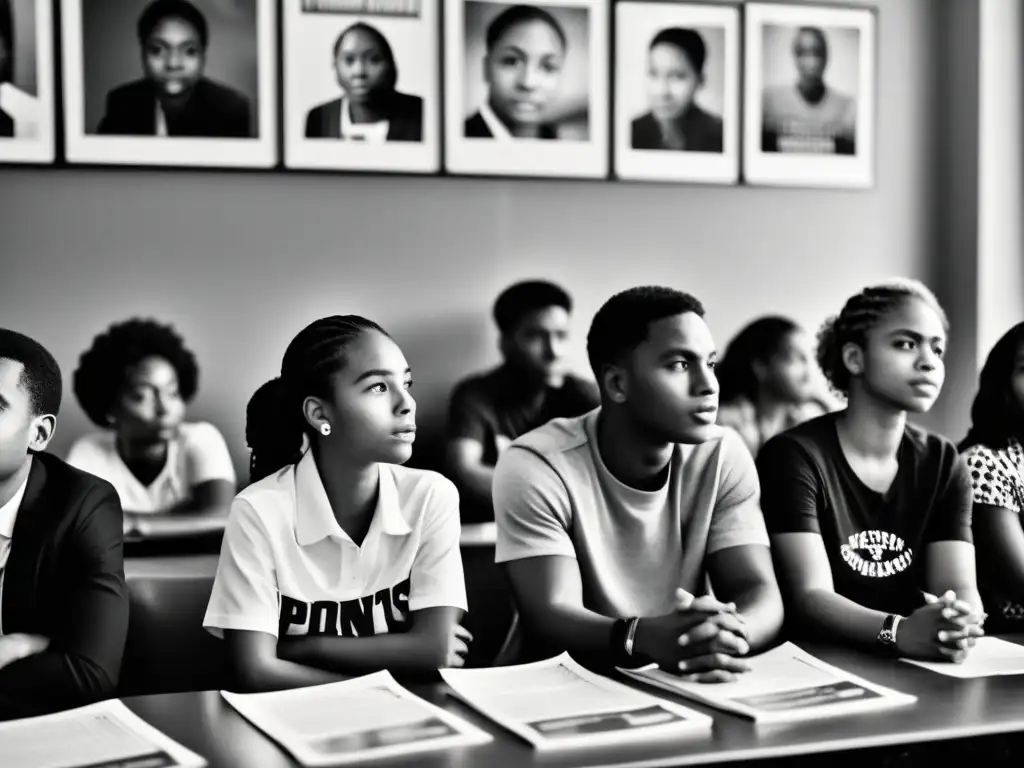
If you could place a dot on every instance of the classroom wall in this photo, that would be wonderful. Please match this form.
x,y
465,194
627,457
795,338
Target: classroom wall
x,y
239,262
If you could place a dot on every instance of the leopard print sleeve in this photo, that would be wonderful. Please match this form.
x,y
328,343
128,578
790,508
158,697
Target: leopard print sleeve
x,y
991,483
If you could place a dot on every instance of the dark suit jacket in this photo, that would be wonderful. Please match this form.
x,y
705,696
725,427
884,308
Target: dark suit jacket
x,y
476,128
213,110
701,130
65,580
405,113
6,124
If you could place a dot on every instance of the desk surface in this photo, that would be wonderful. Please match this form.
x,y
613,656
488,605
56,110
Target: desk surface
x,y
947,708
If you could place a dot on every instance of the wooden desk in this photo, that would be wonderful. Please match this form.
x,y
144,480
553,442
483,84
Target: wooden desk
x,y
947,709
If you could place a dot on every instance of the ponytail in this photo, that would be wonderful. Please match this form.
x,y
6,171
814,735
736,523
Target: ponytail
x,y
273,431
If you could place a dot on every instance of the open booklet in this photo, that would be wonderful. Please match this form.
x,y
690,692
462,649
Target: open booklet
x,y
785,684
556,704
988,658
364,718
103,735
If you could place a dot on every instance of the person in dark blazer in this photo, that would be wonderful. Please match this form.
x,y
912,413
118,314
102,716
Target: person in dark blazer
x,y
175,98
675,73
371,109
526,51
63,596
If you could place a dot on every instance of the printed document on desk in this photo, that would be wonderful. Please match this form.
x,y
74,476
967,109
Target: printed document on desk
x,y
785,684
558,704
364,718
103,735
988,658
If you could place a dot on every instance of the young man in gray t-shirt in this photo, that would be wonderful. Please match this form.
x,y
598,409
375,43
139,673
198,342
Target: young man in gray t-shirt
x,y
610,522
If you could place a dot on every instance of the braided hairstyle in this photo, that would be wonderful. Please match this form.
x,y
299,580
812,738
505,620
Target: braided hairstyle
x,y
274,421
859,315
758,342
996,417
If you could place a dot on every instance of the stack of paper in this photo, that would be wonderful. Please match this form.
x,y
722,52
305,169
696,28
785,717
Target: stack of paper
x,y
784,684
989,657
559,704
97,736
367,717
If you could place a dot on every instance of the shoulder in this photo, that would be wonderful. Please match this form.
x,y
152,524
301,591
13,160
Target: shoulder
x,y
706,120
809,440
421,483
226,98
644,124
132,91
76,491
200,434
557,437
325,108
270,499
476,128
934,452
981,455
407,104
94,444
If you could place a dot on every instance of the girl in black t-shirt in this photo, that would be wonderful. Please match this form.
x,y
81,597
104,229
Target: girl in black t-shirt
x,y
870,517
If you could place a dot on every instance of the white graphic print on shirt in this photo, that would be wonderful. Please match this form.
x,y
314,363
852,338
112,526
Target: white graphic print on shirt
x,y
871,553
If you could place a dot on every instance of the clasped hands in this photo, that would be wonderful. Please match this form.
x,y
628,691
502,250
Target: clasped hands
x,y
944,629
702,640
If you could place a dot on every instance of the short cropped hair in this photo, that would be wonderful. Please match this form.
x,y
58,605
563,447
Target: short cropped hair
x,y
518,300
41,375
158,10
622,324
103,368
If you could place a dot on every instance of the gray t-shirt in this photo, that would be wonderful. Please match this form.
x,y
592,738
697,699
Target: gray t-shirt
x,y
553,495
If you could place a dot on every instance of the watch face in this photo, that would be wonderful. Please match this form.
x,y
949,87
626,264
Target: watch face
x,y
886,637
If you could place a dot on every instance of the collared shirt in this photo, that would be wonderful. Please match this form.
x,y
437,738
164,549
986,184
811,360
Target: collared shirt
x,y
494,125
374,133
287,568
8,514
197,455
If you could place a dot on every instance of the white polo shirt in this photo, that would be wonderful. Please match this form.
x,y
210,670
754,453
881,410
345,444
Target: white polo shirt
x,y
197,455
8,514
287,568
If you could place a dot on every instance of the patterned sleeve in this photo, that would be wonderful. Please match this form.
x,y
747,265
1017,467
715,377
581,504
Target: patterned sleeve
x,y
991,483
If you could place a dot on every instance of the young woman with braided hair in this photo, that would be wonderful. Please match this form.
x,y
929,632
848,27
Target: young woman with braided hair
x,y
869,516
337,561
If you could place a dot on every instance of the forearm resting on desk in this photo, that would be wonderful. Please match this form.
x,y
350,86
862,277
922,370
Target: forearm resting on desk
x,y
760,607
825,612
254,665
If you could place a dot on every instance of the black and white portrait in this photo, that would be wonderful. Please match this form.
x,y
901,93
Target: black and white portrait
x,y
677,69
526,87
361,87
26,82
175,82
810,95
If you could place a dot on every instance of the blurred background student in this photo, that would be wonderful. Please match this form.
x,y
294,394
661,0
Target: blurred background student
x,y
675,75
175,98
371,108
767,382
135,382
995,461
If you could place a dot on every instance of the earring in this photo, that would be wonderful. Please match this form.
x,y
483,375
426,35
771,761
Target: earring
x,y
325,429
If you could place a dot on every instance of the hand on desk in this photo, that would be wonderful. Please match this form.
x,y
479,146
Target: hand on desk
x,y
458,646
19,645
944,629
700,640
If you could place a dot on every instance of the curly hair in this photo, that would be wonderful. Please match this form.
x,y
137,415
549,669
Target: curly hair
x,y
103,368
859,315
995,415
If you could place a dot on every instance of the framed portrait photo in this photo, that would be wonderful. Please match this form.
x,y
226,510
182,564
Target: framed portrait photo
x,y
170,82
677,92
362,85
810,78
526,88
27,97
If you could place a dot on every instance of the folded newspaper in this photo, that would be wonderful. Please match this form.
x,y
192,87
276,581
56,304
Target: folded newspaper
x,y
364,718
558,704
785,684
103,735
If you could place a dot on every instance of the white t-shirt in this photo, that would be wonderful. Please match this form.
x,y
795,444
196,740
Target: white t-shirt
x,y
287,568
197,455
8,514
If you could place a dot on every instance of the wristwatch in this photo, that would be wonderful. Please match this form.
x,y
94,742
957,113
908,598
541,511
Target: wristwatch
x,y
887,635
622,637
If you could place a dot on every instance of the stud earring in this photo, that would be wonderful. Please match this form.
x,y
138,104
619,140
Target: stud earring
x,y
325,429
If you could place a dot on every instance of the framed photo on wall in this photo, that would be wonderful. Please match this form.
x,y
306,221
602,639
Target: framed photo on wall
x,y
526,88
362,85
170,82
677,92
27,97
810,95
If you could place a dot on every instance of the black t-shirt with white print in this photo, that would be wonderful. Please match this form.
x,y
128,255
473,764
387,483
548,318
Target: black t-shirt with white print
x,y
875,542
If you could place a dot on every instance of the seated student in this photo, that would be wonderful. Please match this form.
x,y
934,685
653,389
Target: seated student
x,y
135,382
336,560
871,516
602,518
766,382
532,386
995,462
64,600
